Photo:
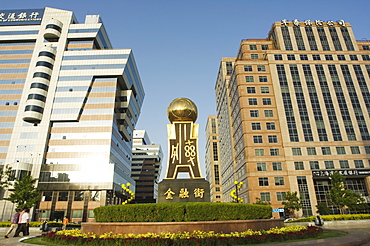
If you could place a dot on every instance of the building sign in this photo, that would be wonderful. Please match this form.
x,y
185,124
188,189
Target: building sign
x,y
21,17
318,23
343,172
183,150
278,210
184,193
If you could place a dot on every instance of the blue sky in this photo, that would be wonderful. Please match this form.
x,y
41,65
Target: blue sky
x,y
178,44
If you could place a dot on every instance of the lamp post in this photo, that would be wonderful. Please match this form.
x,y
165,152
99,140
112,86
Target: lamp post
x,y
235,193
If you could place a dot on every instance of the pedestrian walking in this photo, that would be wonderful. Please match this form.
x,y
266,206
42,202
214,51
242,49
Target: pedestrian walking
x,y
23,223
15,222
65,223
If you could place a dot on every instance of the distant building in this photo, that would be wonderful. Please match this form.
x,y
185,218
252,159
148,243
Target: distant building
x,y
69,103
292,109
146,167
212,159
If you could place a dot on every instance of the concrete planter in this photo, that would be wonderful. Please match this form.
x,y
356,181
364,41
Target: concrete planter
x,y
174,227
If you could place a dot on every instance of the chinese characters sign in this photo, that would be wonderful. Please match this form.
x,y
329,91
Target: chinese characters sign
x,y
311,23
184,193
21,17
343,172
183,150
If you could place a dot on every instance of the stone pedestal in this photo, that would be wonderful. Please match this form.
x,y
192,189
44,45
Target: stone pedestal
x,y
183,190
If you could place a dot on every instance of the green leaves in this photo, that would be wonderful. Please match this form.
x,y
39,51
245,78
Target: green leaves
x,y
24,193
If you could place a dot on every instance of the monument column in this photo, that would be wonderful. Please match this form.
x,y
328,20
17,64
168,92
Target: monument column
x,y
183,156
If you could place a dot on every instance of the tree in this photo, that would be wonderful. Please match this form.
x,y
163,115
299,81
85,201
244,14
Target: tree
x,y
5,175
322,208
341,197
24,193
292,203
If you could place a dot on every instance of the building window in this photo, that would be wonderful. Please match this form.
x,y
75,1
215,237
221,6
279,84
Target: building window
x,y
79,196
77,213
272,138
314,165
254,56
311,151
296,151
249,79
217,189
261,166
303,57
366,47
291,57
95,195
256,126
248,68
274,152
263,78
276,166
329,164
341,150
359,164
257,139
341,58
278,57
254,113
326,150
253,47
280,196
252,101
261,68
279,181
355,150
270,126
265,196
365,57
63,196
343,164
353,57
264,47
47,196
265,90
316,57
251,90
264,181
328,57
266,101
269,113
367,149
299,165
259,152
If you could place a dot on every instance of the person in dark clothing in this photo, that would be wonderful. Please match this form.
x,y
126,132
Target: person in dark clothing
x,y
23,223
15,222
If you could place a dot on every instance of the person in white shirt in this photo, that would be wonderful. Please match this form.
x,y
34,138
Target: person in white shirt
x,y
23,223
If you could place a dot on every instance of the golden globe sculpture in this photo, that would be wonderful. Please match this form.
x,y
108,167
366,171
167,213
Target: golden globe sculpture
x,y
182,109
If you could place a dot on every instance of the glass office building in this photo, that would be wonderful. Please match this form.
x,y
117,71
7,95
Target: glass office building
x,y
69,103
292,109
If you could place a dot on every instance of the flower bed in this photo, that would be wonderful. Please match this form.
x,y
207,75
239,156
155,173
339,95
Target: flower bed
x,y
76,237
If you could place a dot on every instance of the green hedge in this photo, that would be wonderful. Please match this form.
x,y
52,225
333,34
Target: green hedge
x,y
170,212
335,217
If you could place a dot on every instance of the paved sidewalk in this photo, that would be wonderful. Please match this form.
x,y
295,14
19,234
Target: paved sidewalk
x,y
354,238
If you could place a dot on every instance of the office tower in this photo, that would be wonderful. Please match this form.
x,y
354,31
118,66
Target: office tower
x,y
212,157
292,109
69,104
146,167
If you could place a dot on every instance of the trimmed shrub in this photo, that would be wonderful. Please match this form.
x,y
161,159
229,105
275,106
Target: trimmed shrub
x,y
177,212
334,217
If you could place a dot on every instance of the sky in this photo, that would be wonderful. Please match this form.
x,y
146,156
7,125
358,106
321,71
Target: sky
x,y
178,44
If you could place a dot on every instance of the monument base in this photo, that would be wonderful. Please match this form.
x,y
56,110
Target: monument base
x,y
183,190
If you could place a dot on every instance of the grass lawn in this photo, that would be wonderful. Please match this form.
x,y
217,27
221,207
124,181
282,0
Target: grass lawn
x,y
326,234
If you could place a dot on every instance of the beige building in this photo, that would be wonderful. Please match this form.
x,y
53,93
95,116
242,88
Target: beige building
x,y
212,159
292,109
69,103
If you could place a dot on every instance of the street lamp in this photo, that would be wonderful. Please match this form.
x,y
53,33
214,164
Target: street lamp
x,y
235,193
